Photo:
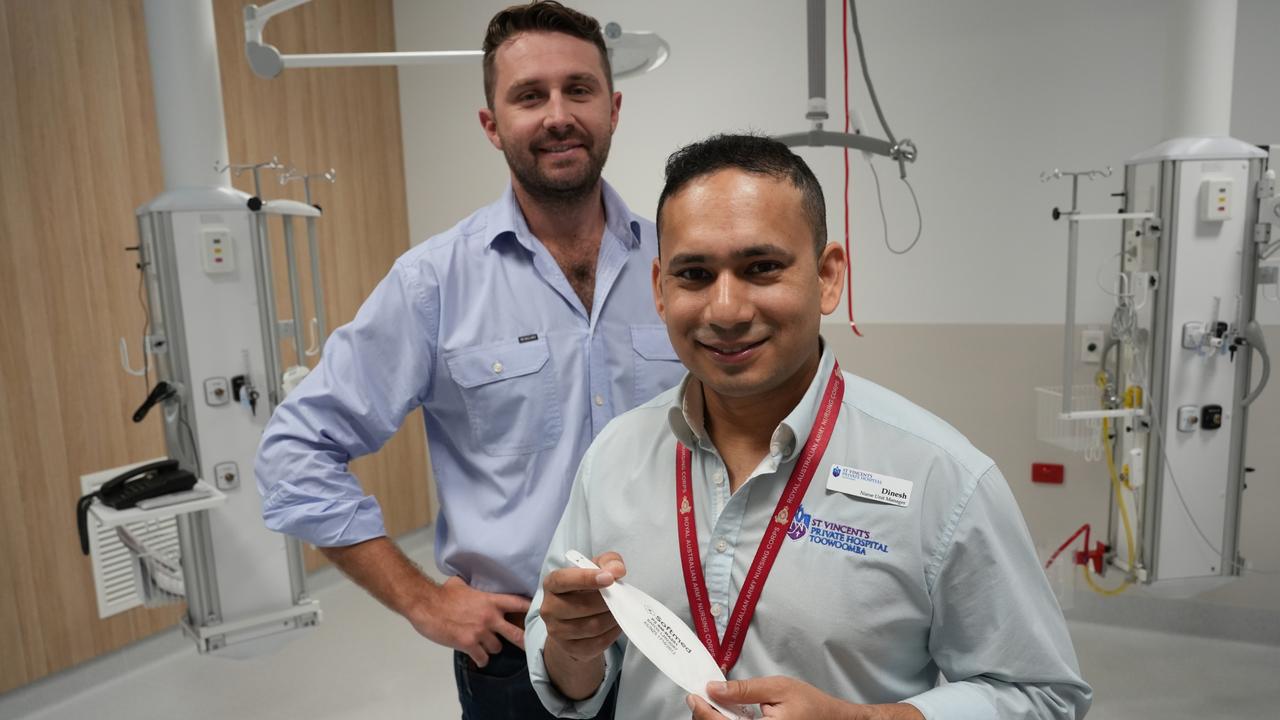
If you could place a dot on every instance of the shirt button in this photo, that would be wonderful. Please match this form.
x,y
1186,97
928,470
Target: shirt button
x,y
598,400
497,367
718,477
721,546
716,609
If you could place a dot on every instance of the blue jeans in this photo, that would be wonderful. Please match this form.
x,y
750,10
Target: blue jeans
x,y
501,690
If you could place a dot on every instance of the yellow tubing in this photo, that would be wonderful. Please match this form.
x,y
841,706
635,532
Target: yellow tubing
x,y
1124,518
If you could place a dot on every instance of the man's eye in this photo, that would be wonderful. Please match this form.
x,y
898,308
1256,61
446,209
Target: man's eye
x,y
526,97
763,267
693,275
579,90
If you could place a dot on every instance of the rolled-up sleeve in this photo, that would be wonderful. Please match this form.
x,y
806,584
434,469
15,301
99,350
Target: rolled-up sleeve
x,y
998,634
573,533
374,372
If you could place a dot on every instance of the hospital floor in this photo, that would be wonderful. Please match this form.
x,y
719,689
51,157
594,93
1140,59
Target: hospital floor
x,y
364,662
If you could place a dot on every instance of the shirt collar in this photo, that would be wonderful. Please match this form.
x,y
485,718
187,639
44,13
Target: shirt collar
x,y
687,416
506,221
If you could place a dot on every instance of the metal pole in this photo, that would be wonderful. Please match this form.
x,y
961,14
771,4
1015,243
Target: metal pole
x,y
817,19
188,92
295,300
1069,337
317,289
267,309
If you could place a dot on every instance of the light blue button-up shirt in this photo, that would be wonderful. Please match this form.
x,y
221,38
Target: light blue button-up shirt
x,y
480,328
869,602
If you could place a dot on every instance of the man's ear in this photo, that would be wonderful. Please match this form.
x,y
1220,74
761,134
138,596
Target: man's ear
x,y
657,290
831,269
613,114
489,123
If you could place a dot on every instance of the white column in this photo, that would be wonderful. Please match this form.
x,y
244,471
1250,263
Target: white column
x,y
1200,68
188,92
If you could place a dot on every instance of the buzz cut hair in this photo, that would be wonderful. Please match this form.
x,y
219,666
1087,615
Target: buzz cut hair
x,y
754,154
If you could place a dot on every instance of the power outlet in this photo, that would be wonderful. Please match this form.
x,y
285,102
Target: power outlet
x,y
1091,346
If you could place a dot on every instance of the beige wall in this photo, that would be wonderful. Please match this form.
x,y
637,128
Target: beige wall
x,y
980,378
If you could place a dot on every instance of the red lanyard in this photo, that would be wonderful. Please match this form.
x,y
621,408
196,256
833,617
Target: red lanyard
x,y
726,652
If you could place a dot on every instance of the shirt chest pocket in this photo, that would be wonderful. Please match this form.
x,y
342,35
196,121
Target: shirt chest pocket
x,y
510,393
657,367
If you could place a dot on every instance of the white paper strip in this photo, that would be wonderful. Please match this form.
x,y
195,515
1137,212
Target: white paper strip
x,y
662,637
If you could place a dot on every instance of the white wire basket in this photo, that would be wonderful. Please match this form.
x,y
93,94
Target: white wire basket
x,y
157,573
1078,431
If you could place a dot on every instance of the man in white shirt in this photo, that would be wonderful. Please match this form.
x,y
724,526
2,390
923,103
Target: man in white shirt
x,y
835,547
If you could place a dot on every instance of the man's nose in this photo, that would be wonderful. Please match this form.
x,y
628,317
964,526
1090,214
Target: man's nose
x,y
559,118
730,304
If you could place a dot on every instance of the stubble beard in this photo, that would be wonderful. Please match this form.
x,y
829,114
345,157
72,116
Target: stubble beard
x,y
562,192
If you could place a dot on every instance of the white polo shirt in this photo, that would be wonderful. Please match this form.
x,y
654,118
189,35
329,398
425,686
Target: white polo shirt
x,y
869,602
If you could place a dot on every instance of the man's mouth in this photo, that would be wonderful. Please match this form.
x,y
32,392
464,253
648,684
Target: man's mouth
x,y
559,149
732,352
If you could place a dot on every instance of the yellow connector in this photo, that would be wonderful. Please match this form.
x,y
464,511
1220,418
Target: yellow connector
x,y
1133,396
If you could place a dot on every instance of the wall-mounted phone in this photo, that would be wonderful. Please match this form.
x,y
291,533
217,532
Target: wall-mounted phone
x,y
126,489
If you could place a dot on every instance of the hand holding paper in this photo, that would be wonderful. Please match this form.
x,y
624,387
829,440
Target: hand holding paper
x,y
663,638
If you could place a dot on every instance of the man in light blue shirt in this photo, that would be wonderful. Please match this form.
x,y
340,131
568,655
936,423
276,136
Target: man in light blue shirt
x,y
521,332
836,548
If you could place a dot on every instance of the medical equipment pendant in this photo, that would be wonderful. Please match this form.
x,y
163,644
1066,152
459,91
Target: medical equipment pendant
x,y
207,256
1173,382
726,652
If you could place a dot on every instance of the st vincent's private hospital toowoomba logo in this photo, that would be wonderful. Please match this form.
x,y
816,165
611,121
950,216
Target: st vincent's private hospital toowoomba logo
x,y
838,536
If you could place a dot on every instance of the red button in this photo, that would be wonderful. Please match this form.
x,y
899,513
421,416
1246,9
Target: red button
x,y
1048,473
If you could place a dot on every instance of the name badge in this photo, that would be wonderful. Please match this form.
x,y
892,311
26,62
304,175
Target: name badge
x,y
869,486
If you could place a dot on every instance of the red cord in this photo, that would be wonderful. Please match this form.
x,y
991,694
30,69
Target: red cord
x,y
1083,529
844,17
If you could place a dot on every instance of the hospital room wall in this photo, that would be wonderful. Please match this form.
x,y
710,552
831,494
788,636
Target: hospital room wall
x,y
78,152
994,92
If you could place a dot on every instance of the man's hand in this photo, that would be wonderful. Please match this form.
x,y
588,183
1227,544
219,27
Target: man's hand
x,y
452,614
579,625
463,618
782,697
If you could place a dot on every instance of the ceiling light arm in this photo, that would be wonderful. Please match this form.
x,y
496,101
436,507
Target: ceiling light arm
x,y
632,53
902,151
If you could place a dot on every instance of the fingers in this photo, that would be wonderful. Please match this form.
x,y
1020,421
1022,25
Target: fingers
x,y
582,627
611,562
512,604
513,633
585,648
571,580
478,656
702,710
748,692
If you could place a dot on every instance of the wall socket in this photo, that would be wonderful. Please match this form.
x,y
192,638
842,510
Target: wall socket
x,y
1091,346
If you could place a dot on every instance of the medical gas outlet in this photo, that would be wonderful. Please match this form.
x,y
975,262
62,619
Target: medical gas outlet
x,y
1207,338
217,256
1091,346
1215,200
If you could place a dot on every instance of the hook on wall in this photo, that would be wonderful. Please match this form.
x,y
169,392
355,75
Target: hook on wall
x,y
124,361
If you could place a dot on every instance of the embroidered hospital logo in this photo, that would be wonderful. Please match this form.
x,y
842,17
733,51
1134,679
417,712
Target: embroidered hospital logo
x,y
838,536
685,507
799,524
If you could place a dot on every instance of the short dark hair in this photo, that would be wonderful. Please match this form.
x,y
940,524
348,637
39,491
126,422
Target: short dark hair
x,y
540,16
754,154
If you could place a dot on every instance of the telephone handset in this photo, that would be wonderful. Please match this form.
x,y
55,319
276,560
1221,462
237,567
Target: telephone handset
x,y
126,489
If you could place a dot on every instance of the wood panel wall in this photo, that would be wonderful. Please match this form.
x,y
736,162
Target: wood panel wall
x,y
78,153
